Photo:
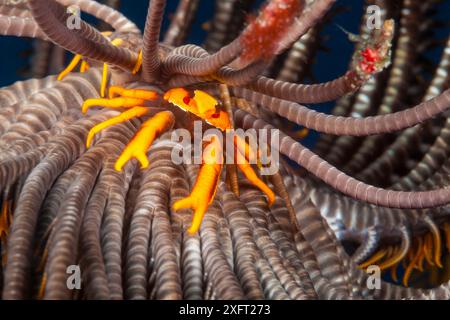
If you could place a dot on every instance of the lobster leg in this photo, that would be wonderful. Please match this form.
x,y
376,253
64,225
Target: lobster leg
x,y
124,116
142,140
205,187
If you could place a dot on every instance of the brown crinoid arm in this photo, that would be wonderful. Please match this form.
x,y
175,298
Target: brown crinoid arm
x,y
370,59
181,22
20,27
151,63
202,65
306,93
344,183
51,18
14,11
311,15
105,13
347,125
250,46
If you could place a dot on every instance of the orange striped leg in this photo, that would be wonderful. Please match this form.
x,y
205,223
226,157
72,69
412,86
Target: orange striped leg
x,y
250,174
204,189
84,66
132,93
72,65
124,116
142,140
244,148
115,103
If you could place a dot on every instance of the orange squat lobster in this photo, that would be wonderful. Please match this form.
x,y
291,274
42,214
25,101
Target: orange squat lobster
x,y
202,105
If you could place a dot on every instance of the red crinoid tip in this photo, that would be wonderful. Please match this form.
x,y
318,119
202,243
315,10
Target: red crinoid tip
x,y
260,38
370,58
370,55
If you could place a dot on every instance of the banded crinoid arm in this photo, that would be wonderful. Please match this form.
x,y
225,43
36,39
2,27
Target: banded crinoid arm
x,y
404,145
20,27
350,212
311,15
330,272
358,278
255,43
336,147
43,109
437,154
183,60
181,22
87,41
14,11
61,151
49,59
401,74
401,87
151,63
21,90
296,65
363,105
159,276
347,125
51,106
378,229
260,278
106,14
297,288
65,216
431,162
228,13
369,60
62,245
21,18
342,182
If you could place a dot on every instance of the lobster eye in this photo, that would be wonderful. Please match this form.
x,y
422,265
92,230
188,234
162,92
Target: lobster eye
x,y
186,99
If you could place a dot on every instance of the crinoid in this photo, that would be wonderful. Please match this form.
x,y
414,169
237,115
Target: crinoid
x,y
75,200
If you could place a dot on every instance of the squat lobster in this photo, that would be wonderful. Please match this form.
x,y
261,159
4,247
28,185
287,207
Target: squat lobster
x,y
200,104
